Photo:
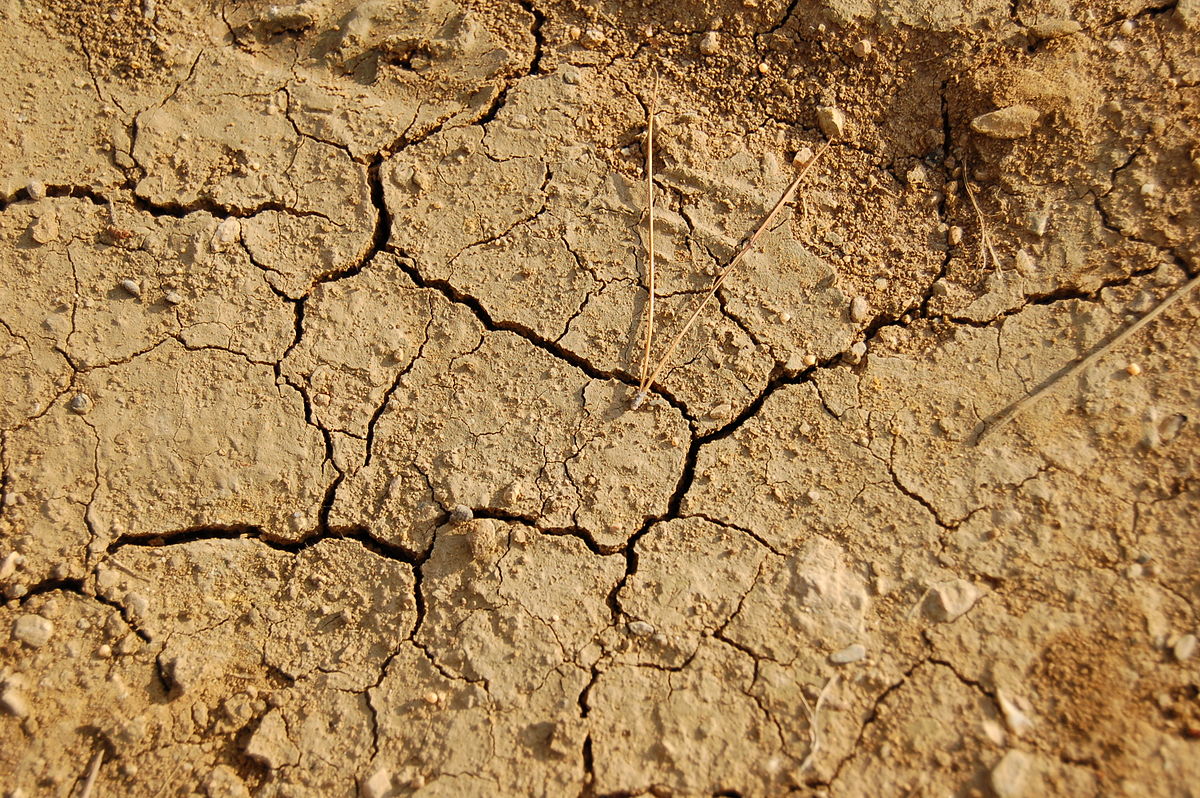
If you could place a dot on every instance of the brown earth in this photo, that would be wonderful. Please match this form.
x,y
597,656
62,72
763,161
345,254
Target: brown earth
x,y
320,327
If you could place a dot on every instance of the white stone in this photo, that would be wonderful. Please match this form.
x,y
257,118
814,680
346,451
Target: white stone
x,y
1013,122
32,630
1010,774
951,599
849,654
832,121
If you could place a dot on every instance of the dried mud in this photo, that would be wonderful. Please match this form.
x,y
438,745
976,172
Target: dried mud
x,y
319,331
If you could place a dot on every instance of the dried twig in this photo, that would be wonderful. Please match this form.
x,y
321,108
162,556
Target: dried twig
x,y
93,770
784,198
1009,413
651,289
987,248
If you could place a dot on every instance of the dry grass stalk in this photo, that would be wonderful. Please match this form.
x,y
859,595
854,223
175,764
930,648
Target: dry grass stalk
x,y
814,724
987,248
1011,412
749,244
93,770
651,288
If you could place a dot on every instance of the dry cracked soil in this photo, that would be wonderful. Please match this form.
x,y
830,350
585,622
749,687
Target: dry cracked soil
x,y
320,326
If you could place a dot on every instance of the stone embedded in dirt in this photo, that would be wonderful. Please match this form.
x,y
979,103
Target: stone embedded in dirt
x,y
849,654
1054,28
1013,122
379,785
13,702
949,600
832,121
859,309
36,190
131,287
1184,648
710,43
1011,773
32,630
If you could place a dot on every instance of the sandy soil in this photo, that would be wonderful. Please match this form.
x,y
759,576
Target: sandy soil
x,y
319,330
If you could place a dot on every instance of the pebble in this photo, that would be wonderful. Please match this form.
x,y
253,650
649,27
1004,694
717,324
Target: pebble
x,y
710,43
433,697
849,654
862,48
36,189
379,785
1053,28
1009,775
593,38
173,298
856,353
1013,122
14,703
1184,648
721,412
227,232
951,599
461,514
859,308
954,236
32,630
640,629
81,403
8,566
1133,370
803,156
131,287
1017,721
45,229
832,121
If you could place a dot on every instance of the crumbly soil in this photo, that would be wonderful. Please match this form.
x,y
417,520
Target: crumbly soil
x,y
319,330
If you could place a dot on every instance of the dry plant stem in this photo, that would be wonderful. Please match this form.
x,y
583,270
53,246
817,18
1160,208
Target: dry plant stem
x,y
728,270
93,770
987,248
1013,410
814,728
649,239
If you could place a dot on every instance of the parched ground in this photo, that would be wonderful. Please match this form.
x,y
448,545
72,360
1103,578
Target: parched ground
x,y
320,327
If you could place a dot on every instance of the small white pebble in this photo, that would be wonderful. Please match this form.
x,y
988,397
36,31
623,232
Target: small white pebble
x,y
710,43
802,158
1150,189
80,403
1184,648
432,697
862,48
859,309
461,514
32,630
810,360
131,287
849,654
1126,27
14,703
36,190
640,629
173,298
592,38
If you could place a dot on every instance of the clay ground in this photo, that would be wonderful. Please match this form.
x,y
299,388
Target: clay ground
x,y
319,331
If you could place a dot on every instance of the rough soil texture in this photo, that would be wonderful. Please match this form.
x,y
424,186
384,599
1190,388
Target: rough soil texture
x,y
319,330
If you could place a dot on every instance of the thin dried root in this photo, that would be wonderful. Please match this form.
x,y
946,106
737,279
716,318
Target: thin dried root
x,y
651,290
1009,413
729,267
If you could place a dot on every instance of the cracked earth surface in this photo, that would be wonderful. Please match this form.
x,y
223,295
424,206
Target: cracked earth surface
x,y
319,330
